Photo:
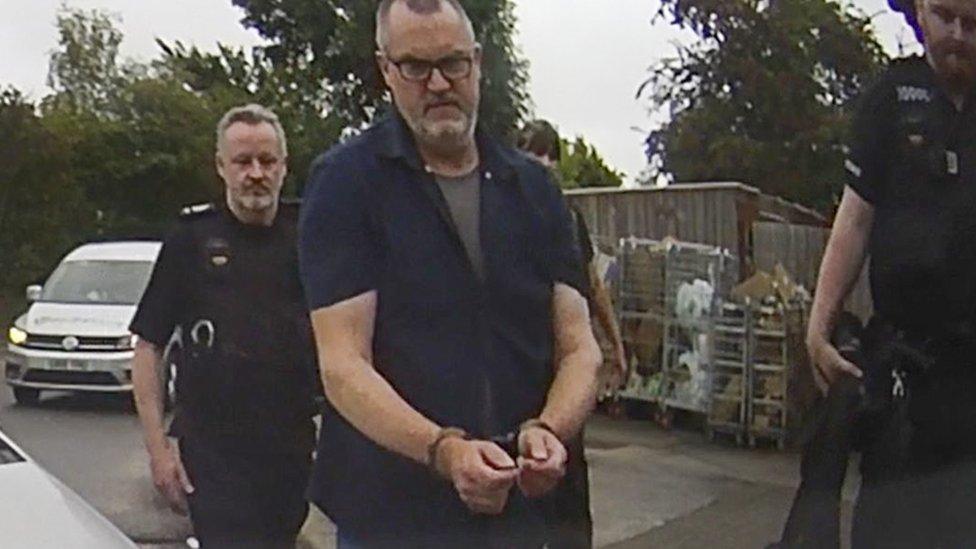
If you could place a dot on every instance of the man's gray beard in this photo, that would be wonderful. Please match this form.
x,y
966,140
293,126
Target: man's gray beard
x,y
256,203
454,139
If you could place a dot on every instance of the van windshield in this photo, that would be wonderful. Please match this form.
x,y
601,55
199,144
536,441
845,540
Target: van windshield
x,y
105,282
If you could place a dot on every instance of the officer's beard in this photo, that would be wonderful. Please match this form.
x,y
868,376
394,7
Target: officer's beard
x,y
254,205
956,65
257,202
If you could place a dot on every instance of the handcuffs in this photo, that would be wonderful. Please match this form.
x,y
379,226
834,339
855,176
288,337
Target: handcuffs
x,y
509,442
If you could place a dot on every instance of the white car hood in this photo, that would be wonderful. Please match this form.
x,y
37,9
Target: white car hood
x,y
92,320
38,512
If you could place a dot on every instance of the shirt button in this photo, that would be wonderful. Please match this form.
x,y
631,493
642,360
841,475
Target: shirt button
x,y
488,176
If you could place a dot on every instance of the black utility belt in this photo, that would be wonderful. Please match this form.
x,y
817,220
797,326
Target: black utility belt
x,y
949,341
897,363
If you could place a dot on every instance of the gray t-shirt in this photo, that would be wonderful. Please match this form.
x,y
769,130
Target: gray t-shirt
x,y
463,195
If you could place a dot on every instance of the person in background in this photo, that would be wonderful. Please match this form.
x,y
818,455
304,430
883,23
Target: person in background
x,y
540,140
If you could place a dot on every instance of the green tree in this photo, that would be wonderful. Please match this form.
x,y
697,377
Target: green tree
x,y
323,53
141,166
232,77
764,95
42,213
319,73
85,69
137,143
580,165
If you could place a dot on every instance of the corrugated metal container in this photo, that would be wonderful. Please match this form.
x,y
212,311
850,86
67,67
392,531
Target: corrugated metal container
x,y
718,214
762,229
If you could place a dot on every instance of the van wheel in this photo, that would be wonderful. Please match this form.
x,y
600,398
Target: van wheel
x,y
26,396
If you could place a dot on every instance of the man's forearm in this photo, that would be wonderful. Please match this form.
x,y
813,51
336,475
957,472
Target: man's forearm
x,y
344,339
573,393
147,393
577,361
367,401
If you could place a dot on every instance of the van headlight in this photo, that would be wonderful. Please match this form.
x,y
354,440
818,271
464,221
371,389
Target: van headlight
x,y
16,335
127,342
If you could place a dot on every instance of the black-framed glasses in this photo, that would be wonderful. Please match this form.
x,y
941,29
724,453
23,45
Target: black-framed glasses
x,y
454,67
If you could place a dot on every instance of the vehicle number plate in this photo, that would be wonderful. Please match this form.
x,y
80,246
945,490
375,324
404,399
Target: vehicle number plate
x,y
63,364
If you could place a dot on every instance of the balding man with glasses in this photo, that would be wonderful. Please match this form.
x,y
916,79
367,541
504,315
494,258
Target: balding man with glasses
x,y
446,292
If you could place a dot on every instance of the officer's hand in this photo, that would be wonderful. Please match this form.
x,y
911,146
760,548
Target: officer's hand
x,y
482,473
542,461
827,363
170,477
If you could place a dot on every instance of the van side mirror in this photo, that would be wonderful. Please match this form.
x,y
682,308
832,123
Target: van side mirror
x,y
33,292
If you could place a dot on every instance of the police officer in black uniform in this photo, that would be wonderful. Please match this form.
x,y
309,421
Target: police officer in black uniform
x,y
906,399
226,290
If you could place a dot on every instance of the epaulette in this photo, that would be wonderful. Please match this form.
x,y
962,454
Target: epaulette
x,y
195,210
906,60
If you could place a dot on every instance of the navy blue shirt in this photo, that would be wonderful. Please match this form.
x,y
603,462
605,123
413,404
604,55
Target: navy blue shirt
x,y
465,352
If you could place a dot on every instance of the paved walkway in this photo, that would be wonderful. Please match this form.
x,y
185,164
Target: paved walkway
x,y
673,489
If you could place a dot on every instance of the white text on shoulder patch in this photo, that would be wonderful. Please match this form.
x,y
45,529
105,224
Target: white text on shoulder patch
x,y
912,94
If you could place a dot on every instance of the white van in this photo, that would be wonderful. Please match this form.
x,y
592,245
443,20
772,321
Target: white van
x,y
75,334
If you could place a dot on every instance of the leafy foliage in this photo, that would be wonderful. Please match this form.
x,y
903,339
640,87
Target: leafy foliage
x,y
41,212
327,48
85,68
764,95
115,151
581,165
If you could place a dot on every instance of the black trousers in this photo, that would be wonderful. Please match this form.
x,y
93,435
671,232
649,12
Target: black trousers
x,y
918,454
571,523
814,520
245,500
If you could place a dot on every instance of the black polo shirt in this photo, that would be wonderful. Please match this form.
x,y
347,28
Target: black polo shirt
x,y
254,389
465,352
913,157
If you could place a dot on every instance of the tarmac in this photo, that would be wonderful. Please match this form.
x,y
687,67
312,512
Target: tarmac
x,y
659,488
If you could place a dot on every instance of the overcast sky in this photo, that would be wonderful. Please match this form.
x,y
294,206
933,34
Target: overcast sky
x,y
587,56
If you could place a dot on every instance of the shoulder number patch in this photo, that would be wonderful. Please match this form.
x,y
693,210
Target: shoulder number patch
x,y
913,94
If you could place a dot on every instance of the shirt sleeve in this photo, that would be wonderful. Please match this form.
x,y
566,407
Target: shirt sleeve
x,y
566,263
864,162
337,244
158,310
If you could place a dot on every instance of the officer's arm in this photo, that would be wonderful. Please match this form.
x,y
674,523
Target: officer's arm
x,y
577,359
842,263
147,392
344,338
